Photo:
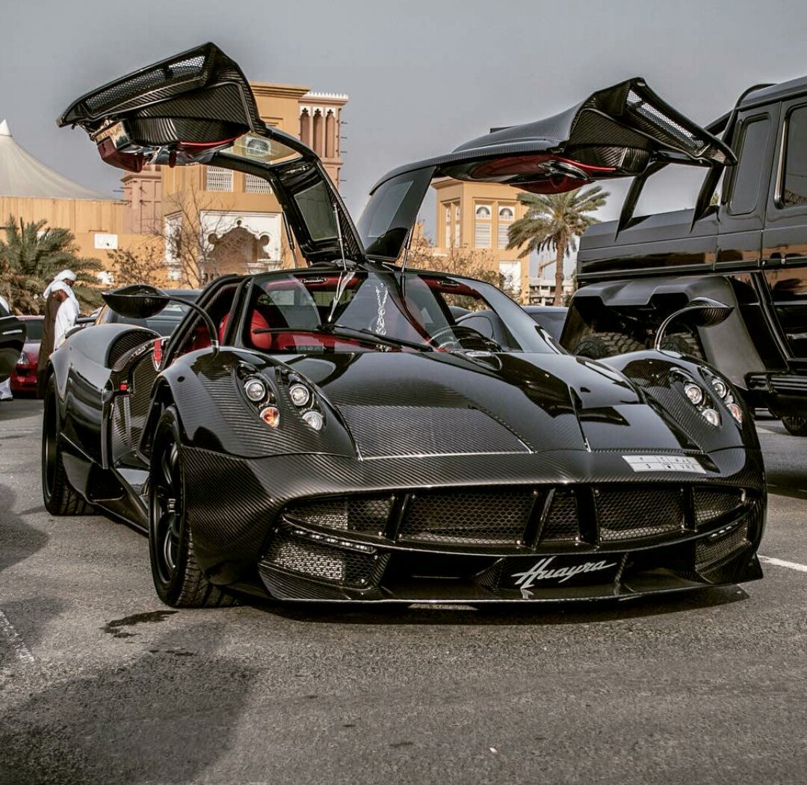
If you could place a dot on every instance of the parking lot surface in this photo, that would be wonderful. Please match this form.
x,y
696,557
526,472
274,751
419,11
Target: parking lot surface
x,y
101,683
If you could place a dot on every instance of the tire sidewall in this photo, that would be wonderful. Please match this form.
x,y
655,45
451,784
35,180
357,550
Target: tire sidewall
x,y
796,426
167,432
50,444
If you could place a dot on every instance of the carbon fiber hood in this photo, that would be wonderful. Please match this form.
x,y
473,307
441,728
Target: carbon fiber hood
x,y
442,403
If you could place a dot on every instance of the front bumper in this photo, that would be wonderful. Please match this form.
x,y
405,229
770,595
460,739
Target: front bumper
x,y
319,527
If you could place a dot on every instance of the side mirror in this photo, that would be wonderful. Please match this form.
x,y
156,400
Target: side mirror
x,y
700,312
141,301
138,301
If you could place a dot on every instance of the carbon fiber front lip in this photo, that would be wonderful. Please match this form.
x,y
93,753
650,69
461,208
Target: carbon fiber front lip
x,y
742,568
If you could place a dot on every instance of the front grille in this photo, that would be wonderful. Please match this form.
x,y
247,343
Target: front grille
x,y
639,512
314,560
712,504
562,523
363,514
522,517
712,551
469,517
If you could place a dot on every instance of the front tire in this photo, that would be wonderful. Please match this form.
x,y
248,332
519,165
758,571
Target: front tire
x,y
597,346
178,579
57,493
683,343
795,425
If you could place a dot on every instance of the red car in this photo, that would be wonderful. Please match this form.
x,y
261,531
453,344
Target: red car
x,y
23,377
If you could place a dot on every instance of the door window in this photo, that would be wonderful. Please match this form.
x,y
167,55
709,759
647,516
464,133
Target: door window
x,y
794,175
747,177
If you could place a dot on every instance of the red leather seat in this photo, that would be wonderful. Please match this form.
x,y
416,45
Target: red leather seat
x,y
257,322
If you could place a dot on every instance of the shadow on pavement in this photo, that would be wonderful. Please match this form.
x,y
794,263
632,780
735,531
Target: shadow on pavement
x,y
163,718
787,482
18,540
19,409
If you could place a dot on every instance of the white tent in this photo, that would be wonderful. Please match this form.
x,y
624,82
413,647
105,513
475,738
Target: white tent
x,y
23,175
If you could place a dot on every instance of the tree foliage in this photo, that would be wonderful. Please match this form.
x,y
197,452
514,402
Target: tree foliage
x,y
31,255
138,265
458,260
191,218
553,222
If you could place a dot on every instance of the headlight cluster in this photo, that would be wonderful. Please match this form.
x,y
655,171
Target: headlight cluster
x,y
698,397
262,394
306,403
724,393
24,360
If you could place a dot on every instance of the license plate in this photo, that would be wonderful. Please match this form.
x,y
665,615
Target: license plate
x,y
543,572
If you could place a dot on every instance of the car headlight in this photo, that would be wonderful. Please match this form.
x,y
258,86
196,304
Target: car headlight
x,y
694,393
314,419
709,396
719,386
255,389
299,394
24,359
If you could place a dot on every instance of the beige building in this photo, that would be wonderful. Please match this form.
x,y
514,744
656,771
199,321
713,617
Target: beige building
x,y
236,217
478,216
32,191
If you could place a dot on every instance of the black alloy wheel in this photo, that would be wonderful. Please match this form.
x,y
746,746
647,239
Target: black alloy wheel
x,y
178,579
57,493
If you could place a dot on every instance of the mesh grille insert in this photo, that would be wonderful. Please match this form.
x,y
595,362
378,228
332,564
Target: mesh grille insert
x,y
490,517
140,83
714,503
631,513
562,522
363,514
313,560
710,553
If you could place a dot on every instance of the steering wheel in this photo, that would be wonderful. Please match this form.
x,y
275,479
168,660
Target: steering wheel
x,y
456,337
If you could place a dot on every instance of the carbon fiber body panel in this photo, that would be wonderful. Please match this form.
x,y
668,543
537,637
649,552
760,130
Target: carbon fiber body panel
x,y
488,507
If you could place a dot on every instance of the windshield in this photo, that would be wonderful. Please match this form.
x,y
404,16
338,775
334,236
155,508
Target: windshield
x,y
307,311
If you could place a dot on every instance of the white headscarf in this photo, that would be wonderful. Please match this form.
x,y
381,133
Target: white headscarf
x,y
59,278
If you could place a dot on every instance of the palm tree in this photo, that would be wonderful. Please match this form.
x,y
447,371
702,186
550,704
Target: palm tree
x,y
553,222
31,255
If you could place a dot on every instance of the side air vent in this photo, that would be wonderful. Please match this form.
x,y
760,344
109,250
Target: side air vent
x,y
126,343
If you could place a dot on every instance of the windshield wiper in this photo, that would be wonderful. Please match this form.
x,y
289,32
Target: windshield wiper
x,y
336,329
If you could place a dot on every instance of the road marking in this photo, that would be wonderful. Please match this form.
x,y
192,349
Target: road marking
x,y
791,565
15,640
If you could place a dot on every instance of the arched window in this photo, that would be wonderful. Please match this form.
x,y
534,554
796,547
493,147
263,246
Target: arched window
x,y
507,215
305,127
330,135
482,214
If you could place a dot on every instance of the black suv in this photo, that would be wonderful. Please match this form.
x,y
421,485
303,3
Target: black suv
x,y
743,243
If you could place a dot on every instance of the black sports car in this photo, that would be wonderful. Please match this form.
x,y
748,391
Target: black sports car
x,y
335,432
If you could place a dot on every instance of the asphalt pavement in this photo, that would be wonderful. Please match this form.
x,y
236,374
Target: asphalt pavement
x,y
101,683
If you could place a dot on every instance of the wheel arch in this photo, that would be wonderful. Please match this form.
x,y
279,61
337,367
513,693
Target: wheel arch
x,y
637,308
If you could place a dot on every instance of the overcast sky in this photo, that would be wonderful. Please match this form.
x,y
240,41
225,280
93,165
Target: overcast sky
x,y
423,75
